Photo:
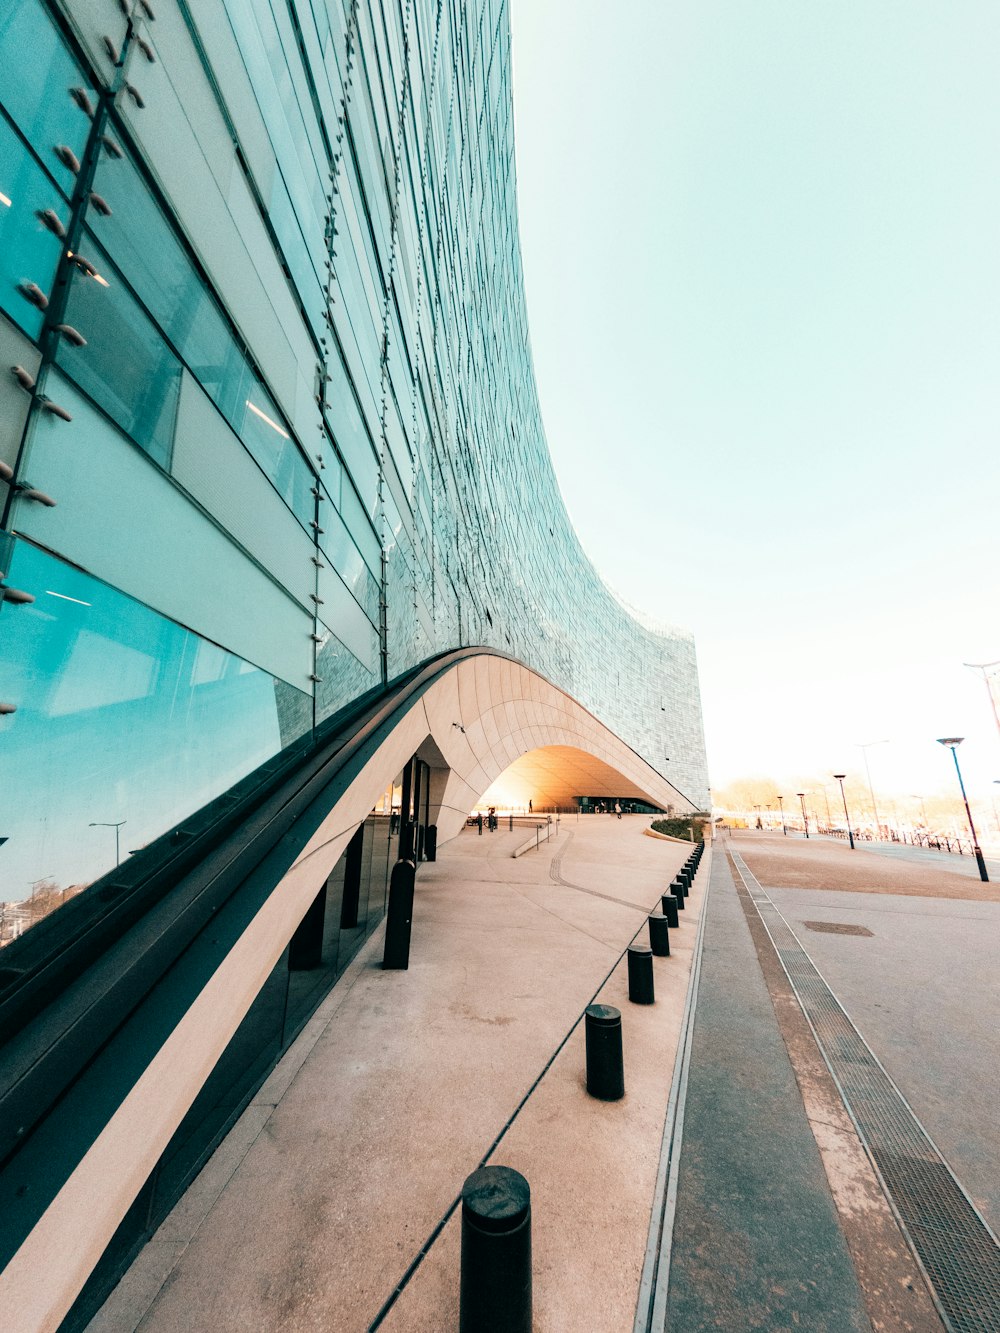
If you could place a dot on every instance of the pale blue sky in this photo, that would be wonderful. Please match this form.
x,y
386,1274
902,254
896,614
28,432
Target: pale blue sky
x,y
762,253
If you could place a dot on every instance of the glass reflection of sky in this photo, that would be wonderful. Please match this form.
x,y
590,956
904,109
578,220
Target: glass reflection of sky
x,y
121,715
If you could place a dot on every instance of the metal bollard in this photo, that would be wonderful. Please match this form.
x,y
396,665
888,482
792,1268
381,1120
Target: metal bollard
x,y
659,936
495,1288
431,842
399,917
677,889
640,974
669,904
605,1067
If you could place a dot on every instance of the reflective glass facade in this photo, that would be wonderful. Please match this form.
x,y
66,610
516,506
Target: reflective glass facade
x,y
265,259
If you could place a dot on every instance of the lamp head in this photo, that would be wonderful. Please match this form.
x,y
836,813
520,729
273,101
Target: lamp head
x,y
839,777
952,742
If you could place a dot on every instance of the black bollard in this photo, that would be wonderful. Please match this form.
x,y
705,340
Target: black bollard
x,y
605,1068
669,904
640,974
659,936
431,842
495,1290
677,889
399,916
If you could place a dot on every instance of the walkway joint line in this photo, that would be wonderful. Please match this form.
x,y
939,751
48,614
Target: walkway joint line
x,y
651,1305
424,1250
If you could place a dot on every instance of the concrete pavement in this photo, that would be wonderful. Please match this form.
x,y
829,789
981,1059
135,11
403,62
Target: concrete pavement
x,y
331,1204
345,1166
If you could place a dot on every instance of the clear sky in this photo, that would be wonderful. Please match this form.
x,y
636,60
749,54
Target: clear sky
x,y
762,254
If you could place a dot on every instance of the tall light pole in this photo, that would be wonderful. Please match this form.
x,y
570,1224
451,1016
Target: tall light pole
x,y
802,801
116,827
864,750
826,798
850,836
988,669
952,743
781,807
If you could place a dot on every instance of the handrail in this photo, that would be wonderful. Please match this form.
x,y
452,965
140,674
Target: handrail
x,y
68,981
75,979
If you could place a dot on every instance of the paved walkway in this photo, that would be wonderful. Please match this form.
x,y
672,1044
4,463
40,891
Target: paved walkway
x,y
928,858
757,1241
331,1203
344,1168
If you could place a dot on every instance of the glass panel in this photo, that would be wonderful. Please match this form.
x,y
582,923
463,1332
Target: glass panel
x,y
261,429
146,249
28,253
342,676
149,253
36,74
125,723
126,367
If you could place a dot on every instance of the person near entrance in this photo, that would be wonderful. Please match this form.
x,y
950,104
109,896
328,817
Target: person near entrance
x,y
618,809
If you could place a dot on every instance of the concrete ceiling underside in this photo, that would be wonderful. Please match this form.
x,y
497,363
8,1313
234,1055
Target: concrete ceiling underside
x,y
557,775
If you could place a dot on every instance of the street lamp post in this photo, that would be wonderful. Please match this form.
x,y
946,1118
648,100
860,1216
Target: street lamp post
x,y
781,807
952,743
850,836
802,801
988,669
826,798
116,827
864,750
923,816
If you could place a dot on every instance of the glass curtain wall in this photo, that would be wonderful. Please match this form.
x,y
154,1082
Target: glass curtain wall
x,y
296,322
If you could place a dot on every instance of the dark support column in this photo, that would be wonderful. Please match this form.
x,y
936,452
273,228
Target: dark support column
x,y
416,846
406,815
659,935
305,948
605,1065
352,880
399,918
640,974
496,1252
431,842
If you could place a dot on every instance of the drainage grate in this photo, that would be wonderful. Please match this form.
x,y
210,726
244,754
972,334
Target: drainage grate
x,y
952,1241
837,928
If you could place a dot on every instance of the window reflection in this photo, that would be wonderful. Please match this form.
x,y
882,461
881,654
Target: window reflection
x,y
126,367
150,255
28,253
123,716
36,74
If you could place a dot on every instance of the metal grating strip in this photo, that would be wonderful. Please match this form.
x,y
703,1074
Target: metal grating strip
x,y
951,1239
